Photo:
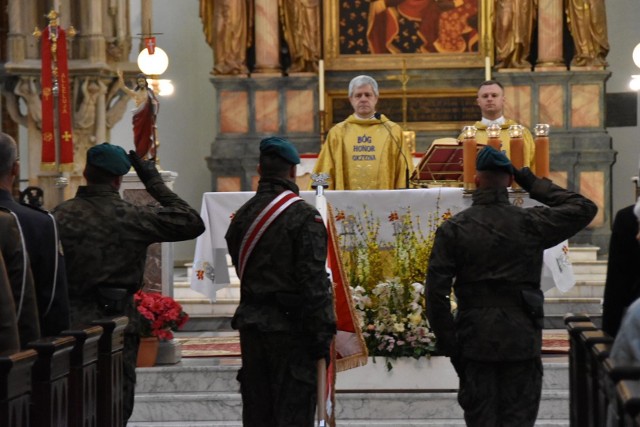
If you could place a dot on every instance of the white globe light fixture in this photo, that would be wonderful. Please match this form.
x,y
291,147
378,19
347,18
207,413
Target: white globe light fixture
x,y
634,84
636,55
153,65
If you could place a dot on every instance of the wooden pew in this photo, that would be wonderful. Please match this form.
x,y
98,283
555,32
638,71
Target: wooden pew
x,y
50,381
15,387
587,340
83,376
578,392
616,373
110,345
628,396
599,352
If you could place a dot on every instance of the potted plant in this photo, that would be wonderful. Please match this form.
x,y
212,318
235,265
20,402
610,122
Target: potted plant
x,y
159,316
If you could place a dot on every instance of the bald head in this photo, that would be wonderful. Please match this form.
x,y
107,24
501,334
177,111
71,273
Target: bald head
x,y
8,156
8,153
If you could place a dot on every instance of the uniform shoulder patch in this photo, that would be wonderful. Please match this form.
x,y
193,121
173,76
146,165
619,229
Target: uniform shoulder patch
x,y
317,218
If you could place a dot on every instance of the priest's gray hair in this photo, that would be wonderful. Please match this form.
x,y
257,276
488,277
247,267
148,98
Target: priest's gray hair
x,y
363,80
8,153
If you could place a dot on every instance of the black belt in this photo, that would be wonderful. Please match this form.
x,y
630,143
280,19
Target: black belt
x,y
112,300
485,301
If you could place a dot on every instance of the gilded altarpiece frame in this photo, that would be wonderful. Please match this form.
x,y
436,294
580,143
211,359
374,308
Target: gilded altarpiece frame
x,y
368,35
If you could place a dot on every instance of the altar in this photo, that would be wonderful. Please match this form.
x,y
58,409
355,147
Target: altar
x,y
210,271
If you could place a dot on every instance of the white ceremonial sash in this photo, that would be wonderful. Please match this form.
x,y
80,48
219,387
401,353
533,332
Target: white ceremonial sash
x,y
261,223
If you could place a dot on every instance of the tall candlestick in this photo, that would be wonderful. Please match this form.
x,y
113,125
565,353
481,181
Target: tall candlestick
x,y
321,85
487,68
469,152
542,150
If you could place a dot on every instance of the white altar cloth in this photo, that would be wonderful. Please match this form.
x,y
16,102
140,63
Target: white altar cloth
x,y
210,270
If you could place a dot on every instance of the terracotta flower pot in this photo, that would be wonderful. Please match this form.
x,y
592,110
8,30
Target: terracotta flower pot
x,y
147,352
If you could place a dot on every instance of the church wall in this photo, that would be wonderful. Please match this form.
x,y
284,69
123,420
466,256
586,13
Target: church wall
x,y
186,120
622,20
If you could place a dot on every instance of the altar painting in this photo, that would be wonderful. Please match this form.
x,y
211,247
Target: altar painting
x,y
361,34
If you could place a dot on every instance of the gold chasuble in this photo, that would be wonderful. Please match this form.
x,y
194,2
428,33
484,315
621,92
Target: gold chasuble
x,y
365,154
529,144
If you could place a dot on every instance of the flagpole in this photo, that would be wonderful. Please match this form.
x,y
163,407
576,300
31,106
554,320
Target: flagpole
x,y
319,182
55,68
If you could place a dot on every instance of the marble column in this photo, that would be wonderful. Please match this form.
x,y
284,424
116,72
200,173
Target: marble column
x,y
16,36
550,25
267,40
92,39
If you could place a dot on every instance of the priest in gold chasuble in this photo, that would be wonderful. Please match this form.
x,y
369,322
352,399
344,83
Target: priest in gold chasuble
x,y
366,151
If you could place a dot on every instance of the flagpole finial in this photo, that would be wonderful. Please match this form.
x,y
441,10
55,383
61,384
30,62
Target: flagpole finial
x,y
53,17
71,32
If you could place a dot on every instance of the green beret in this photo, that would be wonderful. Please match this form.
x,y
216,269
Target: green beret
x,y
490,159
108,157
280,147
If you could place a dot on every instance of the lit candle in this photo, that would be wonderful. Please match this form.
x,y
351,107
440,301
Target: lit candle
x,y
542,150
321,85
493,136
469,152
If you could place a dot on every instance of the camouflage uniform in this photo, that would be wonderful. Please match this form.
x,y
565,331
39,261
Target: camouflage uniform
x,y
24,298
105,243
285,316
494,250
44,251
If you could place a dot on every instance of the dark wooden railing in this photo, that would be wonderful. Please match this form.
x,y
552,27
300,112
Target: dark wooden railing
x,y
71,380
110,371
50,381
83,376
15,387
600,388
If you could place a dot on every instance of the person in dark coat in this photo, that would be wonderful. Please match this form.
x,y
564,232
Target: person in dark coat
x,y
491,255
43,245
285,316
622,286
9,337
18,267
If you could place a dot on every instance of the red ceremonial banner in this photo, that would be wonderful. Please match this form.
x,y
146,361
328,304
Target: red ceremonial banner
x,y
351,350
48,140
58,63
64,104
348,349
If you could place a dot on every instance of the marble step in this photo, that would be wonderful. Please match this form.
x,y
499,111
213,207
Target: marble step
x,y
344,423
217,406
582,289
583,253
563,305
590,270
218,375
